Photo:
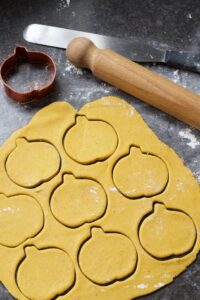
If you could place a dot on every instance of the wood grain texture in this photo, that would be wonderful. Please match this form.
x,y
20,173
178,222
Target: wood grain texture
x,y
136,80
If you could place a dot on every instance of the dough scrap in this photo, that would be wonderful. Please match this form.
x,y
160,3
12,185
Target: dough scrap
x,y
83,240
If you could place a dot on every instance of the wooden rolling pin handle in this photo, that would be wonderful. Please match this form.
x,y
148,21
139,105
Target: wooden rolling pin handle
x,y
136,80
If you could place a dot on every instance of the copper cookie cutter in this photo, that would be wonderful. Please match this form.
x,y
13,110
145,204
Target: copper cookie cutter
x,y
21,54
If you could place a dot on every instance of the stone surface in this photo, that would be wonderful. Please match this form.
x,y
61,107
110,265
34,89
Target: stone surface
x,y
173,23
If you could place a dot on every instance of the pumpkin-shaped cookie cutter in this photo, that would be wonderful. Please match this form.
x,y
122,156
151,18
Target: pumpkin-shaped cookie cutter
x,y
21,54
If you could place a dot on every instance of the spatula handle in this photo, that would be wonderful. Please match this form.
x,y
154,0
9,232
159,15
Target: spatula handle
x,y
136,80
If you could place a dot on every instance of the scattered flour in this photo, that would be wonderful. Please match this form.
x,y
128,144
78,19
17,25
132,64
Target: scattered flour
x,y
62,4
192,140
159,285
148,276
142,286
189,15
197,175
9,210
83,95
72,69
180,187
113,189
176,76
166,275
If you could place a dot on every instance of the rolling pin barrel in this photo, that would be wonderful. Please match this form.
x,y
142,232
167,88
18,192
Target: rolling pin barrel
x,y
136,80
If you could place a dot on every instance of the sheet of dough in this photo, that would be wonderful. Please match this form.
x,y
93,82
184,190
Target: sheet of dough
x,y
93,206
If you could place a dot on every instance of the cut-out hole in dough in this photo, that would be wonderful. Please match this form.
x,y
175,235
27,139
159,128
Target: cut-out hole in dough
x,y
89,141
78,201
32,163
45,273
167,233
21,217
107,257
140,174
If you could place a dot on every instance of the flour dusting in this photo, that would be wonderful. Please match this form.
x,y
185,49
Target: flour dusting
x,y
84,95
166,275
192,140
176,76
159,285
113,189
72,69
142,286
197,175
62,4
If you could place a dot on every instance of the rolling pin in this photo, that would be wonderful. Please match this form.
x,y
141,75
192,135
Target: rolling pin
x,y
136,80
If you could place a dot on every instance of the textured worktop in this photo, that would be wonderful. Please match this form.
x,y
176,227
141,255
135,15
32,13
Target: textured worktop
x,y
173,23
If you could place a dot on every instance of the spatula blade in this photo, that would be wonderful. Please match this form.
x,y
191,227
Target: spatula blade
x,y
136,49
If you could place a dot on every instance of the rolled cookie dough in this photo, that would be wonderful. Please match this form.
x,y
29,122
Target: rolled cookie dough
x,y
93,206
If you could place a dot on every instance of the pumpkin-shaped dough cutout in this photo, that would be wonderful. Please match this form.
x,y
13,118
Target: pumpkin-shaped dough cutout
x,y
45,274
107,257
89,141
167,233
139,174
78,201
32,162
16,221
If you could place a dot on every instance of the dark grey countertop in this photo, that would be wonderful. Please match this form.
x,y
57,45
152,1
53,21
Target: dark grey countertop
x,y
169,22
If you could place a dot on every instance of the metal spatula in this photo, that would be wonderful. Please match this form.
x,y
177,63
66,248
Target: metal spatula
x,y
122,72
